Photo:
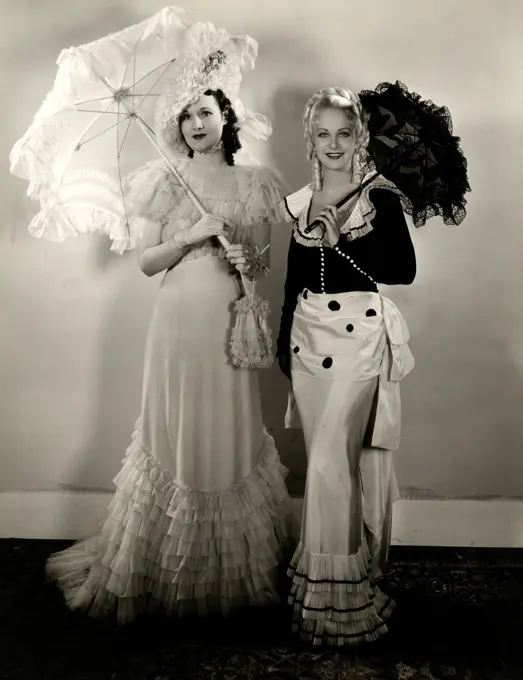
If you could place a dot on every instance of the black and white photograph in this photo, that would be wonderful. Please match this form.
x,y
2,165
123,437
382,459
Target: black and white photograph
x,y
261,346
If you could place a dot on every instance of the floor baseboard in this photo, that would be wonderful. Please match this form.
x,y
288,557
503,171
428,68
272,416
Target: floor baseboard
x,y
456,523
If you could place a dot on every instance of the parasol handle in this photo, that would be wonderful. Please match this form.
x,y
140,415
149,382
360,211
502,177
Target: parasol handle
x,y
152,138
148,132
344,200
150,135
367,181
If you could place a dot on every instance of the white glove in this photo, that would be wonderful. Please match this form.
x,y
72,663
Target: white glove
x,y
207,227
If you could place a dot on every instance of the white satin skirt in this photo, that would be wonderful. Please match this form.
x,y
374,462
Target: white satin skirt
x,y
349,351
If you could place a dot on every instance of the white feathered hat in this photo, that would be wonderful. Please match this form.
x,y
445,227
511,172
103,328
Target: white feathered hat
x,y
210,59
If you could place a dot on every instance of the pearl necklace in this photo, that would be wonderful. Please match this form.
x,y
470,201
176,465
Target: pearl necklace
x,y
347,257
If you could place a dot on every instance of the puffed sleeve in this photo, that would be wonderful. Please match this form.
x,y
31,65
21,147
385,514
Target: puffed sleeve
x,y
265,195
150,196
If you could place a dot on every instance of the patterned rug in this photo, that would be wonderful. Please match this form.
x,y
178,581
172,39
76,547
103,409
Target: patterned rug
x,y
459,617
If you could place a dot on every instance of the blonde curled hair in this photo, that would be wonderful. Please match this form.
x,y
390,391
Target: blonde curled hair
x,y
350,104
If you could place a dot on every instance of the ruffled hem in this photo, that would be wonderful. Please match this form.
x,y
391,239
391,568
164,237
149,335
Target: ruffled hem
x,y
334,601
264,188
166,547
96,207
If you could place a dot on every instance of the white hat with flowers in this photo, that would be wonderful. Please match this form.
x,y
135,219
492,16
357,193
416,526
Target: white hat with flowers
x,y
209,59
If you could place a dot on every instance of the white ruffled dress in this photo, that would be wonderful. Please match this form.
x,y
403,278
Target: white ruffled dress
x,y
201,517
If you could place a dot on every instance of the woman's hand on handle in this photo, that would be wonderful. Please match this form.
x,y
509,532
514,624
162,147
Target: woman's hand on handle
x,y
156,256
247,260
242,257
207,227
330,220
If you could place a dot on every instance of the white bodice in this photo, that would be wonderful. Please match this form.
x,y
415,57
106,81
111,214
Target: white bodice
x,y
244,196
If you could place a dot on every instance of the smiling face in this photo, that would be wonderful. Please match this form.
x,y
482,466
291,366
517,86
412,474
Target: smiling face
x,y
333,138
201,124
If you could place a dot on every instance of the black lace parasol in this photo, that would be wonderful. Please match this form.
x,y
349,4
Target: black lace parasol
x,y
412,145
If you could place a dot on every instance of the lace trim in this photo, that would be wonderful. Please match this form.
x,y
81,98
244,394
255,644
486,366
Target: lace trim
x,y
315,238
296,202
357,224
244,196
168,546
207,248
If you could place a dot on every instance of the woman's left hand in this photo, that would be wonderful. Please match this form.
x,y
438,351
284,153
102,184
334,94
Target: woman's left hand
x,y
242,257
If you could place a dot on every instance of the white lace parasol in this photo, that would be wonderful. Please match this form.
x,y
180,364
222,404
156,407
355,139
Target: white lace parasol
x,y
99,121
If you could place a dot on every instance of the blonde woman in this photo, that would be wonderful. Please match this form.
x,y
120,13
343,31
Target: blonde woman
x,y
344,347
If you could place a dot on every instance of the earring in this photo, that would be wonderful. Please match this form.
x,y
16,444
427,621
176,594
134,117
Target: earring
x,y
356,166
317,174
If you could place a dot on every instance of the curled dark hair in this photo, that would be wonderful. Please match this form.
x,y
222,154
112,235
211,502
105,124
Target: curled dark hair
x,y
230,139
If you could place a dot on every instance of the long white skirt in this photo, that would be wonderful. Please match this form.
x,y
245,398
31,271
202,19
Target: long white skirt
x,y
201,517
339,342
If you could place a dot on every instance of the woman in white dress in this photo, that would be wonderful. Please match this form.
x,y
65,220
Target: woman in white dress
x,y
201,517
344,347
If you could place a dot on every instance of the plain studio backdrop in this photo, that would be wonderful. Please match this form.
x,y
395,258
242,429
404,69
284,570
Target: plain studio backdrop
x,y
74,316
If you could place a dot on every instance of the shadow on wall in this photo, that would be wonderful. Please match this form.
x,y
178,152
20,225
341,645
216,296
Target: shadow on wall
x,y
32,63
281,55
287,149
57,26
121,345
119,372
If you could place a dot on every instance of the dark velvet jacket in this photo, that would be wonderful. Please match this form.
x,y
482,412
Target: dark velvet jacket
x,y
386,253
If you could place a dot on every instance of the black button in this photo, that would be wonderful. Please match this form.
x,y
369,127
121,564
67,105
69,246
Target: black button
x,y
334,306
327,362
370,312
350,328
305,293
296,349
